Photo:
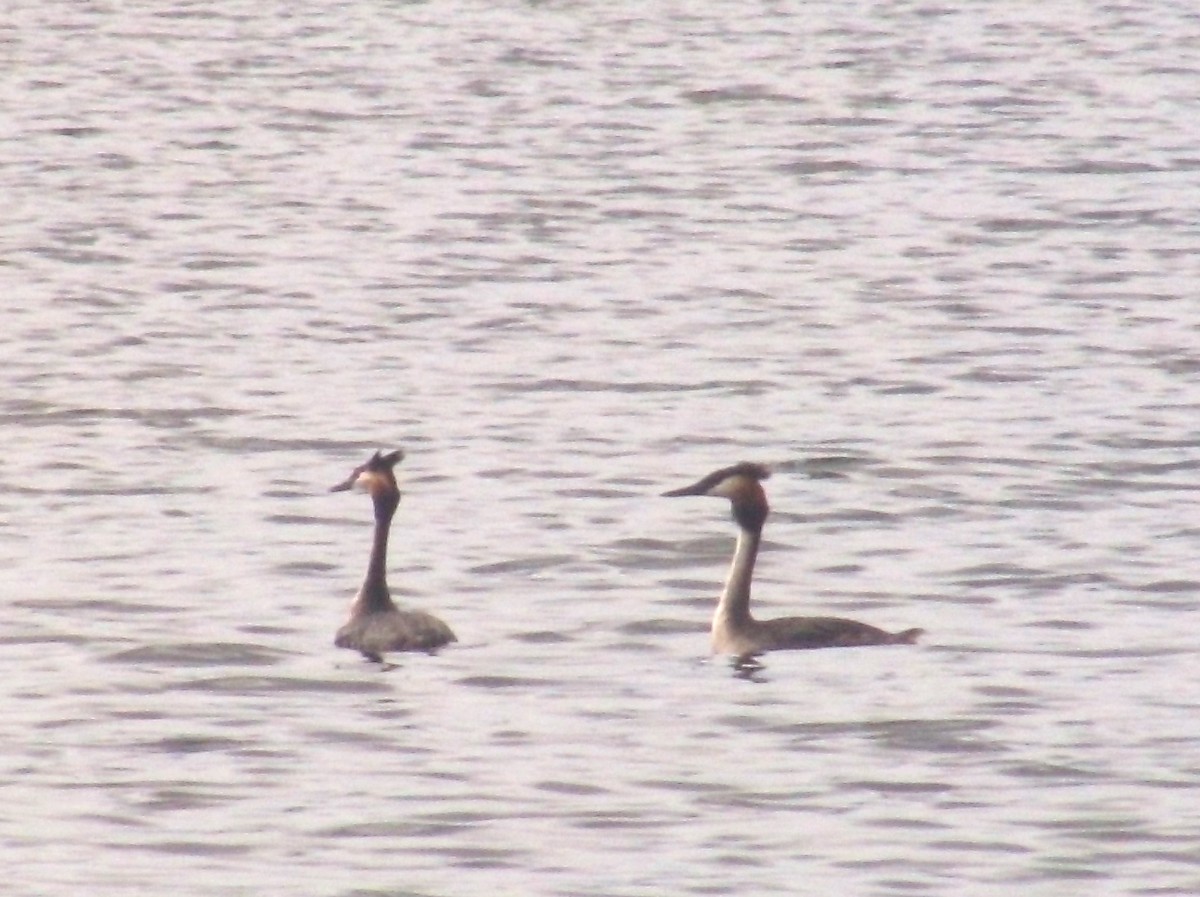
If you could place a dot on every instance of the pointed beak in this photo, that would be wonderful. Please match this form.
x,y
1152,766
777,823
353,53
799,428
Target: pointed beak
x,y
343,487
696,488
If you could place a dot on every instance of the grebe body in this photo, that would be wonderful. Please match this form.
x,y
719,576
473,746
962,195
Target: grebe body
x,y
376,625
734,630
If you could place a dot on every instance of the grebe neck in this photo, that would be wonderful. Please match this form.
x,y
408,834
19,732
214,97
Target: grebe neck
x,y
374,595
733,610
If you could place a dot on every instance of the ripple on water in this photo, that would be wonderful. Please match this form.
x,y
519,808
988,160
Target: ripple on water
x,y
272,685
505,683
662,626
194,654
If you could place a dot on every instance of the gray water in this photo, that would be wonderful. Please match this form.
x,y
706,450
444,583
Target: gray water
x,y
936,264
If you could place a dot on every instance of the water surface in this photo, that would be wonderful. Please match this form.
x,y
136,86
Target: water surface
x,y
936,265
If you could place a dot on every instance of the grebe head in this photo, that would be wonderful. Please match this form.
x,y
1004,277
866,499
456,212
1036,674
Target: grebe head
x,y
741,484
374,477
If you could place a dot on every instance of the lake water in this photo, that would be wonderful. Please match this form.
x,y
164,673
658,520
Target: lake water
x,y
936,264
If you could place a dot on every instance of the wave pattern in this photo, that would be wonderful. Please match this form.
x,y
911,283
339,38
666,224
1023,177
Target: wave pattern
x,y
935,264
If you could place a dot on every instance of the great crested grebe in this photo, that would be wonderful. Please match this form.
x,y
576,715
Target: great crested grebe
x,y
734,631
376,625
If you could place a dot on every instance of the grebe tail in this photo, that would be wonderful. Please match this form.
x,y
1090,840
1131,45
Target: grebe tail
x,y
376,625
734,629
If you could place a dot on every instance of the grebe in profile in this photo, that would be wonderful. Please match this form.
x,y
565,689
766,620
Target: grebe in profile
x,y
734,631
376,625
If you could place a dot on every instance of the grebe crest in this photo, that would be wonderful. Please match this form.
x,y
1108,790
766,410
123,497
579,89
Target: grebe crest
x,y
376,624
734,629
374,477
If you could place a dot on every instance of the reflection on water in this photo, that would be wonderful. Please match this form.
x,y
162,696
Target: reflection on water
x,y
934,265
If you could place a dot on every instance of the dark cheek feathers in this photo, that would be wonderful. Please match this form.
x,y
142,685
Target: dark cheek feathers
x,y
749,515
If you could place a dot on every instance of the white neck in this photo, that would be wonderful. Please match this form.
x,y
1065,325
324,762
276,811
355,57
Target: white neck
x,y
732,618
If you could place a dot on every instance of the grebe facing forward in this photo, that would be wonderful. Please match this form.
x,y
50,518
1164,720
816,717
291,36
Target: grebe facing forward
x,y
376,625
734,631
